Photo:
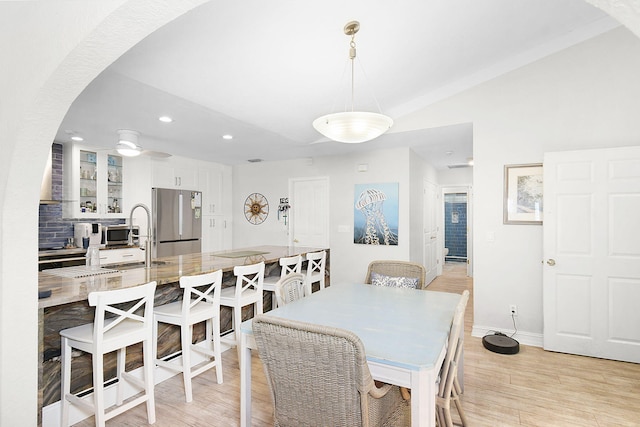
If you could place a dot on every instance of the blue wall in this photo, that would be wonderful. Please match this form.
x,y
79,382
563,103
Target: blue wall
x,y
455,234
53,229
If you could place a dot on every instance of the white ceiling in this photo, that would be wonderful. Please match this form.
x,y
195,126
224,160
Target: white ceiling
x,y
264,70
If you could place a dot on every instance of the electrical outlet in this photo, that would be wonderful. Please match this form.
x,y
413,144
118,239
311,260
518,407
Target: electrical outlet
x,y
513,310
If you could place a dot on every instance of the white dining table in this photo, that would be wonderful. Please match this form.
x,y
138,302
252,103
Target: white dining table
x,y
404,332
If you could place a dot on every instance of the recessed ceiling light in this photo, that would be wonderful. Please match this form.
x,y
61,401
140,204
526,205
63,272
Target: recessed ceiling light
x,y
165,119
227,137
77,138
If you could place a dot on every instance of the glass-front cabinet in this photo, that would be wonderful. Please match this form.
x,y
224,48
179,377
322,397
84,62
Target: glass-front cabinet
x,y
114,184
93,183
88,177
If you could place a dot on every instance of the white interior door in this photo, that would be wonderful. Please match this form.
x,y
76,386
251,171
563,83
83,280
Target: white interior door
x,y
591,273
309,212
431,244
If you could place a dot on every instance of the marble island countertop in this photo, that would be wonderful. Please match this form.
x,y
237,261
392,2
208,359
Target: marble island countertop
x,y
163,270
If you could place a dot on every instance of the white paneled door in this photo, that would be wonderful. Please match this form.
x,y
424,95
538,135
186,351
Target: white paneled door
x,y
309,212
591,290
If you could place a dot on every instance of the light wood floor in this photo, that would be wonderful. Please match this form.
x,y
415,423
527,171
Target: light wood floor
x,y
531,388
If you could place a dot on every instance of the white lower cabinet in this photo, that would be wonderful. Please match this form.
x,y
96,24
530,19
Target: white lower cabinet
x,y
120,256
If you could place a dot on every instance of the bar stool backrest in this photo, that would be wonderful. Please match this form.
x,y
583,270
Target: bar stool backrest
x,y
249,278
113,317
196,296
292,264
316,267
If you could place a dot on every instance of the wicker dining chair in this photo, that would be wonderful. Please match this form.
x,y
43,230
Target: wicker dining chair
x,y
290,288
318,376
397,269
449,389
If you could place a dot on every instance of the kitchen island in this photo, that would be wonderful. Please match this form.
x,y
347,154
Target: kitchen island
x,y
68,306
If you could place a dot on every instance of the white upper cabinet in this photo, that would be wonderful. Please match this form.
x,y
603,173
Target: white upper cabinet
x,y
93,183
175,172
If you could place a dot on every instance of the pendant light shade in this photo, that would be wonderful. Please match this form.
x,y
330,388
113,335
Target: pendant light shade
x,y
353,126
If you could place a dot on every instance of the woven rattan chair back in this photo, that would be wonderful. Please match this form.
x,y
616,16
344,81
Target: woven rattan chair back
x,y
318,376
290,288
396,268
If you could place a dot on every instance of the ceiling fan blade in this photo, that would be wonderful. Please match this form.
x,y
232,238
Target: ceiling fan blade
x,y
156,154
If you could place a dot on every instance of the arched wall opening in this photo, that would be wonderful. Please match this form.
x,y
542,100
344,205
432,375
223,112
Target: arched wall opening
x,y
26,137
101,33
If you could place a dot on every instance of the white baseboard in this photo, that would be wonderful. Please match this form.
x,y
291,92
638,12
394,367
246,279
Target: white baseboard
x,y
51,413
523,337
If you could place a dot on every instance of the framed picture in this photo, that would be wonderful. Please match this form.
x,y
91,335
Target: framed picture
x,y
523,194
375,217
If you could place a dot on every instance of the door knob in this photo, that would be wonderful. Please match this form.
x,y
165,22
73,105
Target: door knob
x,y
551,262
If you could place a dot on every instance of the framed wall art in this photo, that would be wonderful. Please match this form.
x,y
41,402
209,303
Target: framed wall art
x,y
375,217
523,194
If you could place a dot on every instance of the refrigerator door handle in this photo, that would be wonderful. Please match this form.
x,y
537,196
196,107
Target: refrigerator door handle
x,y
180,214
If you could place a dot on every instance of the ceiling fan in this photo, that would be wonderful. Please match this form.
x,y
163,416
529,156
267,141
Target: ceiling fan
x,y
128,145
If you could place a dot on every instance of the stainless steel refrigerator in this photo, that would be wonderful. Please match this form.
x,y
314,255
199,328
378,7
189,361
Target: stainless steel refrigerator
x,y
177,222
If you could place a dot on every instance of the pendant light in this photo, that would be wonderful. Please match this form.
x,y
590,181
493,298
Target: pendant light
x,y
128,143
353,126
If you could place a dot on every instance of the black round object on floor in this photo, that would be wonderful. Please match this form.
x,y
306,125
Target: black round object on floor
x,y
500,343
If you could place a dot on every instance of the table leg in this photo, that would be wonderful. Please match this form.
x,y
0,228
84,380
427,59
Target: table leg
x,y
245,382
423,398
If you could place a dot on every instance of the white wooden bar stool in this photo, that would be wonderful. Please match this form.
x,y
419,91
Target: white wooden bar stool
x,y
315,269
114,328
200,303
248,291
288,266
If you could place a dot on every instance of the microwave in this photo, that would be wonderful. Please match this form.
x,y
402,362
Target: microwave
x,y
118,235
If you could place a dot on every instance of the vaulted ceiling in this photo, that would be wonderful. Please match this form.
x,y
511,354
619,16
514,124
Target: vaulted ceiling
x,y
262,71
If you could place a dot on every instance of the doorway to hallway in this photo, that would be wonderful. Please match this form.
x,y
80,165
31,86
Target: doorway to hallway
x,y
457,226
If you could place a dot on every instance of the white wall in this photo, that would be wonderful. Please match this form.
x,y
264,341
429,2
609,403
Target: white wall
x,y
348,261
587,96
458,177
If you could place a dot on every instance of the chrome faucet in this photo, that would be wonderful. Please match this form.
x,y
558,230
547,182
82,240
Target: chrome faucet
x,y
147,245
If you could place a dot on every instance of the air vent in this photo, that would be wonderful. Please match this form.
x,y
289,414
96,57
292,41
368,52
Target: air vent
x,y
254,160
463,165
